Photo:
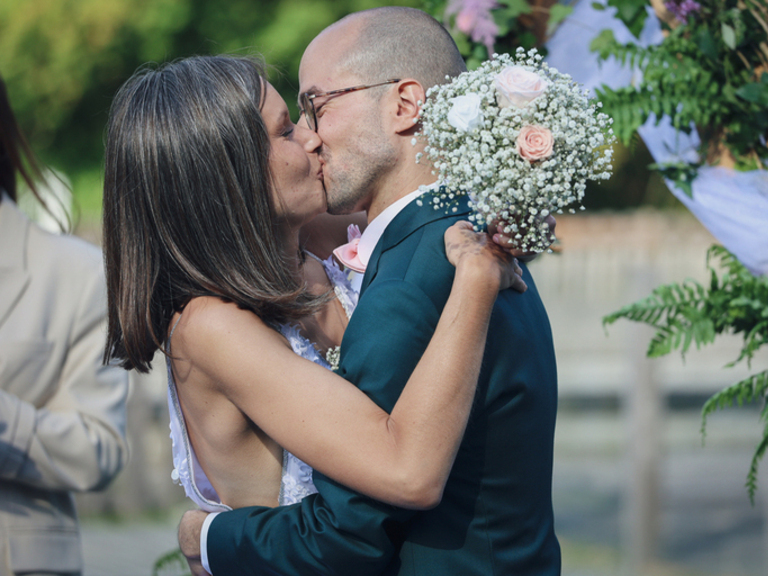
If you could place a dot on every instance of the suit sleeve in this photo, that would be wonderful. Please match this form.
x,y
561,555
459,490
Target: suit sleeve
x,y
76,439
338,531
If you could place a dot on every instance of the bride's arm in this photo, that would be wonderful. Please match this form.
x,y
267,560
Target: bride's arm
x,y
402,458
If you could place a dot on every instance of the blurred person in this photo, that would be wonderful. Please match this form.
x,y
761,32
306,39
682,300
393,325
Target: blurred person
x,y
62,413
362,81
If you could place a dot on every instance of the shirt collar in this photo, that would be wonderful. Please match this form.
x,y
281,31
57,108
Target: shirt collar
x,y
378,225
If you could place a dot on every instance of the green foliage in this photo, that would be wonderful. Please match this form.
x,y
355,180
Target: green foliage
x,y
519,23
752,389
677,311
558,13
172,563
631,12
706,73
632,184
735,302
681,173
63,60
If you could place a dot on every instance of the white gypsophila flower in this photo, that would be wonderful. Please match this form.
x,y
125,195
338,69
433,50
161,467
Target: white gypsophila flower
x,y
507,181
332,356
465,114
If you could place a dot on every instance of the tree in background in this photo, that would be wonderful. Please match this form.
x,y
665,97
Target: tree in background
x,y
63,60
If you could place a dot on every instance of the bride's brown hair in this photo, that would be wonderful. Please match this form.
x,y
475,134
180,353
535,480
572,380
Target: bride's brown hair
x,y
187,203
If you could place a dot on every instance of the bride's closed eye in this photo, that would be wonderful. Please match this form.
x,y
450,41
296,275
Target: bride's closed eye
x,y
288,131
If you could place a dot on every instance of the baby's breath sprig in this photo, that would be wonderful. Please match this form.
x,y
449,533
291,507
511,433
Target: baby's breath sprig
x,y
333,356
520,138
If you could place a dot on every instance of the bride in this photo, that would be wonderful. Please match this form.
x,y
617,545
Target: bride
x,y
217,253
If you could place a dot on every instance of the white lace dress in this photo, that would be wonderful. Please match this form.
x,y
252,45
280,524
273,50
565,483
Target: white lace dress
x,y
297,476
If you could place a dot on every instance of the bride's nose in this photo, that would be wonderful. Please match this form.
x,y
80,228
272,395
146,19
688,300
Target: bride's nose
x,y
308,138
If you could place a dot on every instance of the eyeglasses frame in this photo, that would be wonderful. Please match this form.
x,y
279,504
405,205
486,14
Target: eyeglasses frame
x,y
307,106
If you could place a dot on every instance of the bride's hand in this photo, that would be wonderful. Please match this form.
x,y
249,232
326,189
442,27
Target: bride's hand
x,y
496,230
465,247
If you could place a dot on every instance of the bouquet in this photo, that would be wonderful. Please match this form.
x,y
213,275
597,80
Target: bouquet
x,y
520,138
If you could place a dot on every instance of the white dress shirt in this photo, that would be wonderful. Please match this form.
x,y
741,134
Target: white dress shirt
x,y
375,230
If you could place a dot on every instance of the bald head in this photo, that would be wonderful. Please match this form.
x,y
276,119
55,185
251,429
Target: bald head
x,y
367,150
395,42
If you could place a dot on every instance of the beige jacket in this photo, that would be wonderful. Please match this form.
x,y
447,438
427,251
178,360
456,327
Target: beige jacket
x,y
62,414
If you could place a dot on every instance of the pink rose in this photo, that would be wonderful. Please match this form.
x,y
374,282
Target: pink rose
x,y
516,86
535,143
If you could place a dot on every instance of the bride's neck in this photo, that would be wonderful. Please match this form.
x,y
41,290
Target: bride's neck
x,y
292,253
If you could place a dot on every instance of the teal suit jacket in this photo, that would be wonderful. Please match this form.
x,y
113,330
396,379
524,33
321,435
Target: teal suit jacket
x,y
496,516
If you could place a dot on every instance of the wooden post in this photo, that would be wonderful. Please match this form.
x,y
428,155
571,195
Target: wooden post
x,y
762,496
643,412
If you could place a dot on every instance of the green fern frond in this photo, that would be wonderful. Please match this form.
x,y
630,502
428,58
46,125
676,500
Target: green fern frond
x,y
750,389
752,475
736,301
649,310
703,332
663,342
697,77
674,310
171,563
725,257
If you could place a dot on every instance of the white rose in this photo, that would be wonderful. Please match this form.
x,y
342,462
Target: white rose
x,y
516,86
465,114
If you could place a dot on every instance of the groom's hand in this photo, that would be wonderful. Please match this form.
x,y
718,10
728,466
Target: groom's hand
x,y
190,528
496,230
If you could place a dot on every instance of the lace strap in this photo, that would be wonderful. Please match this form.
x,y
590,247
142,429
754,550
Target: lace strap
x,y
170,335
308,253
343,290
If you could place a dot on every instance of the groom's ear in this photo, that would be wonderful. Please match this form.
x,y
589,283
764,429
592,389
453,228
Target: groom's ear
x,y
410,96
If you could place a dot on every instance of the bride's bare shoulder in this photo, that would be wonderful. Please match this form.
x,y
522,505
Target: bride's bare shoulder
x,y
208,323
230,349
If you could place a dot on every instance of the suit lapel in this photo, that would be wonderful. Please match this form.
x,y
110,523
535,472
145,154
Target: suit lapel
x,y
14,277
410,219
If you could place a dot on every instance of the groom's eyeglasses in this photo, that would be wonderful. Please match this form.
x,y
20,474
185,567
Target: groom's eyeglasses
x,y
307,107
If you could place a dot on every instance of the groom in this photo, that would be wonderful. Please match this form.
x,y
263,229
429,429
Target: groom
x,y
362,81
